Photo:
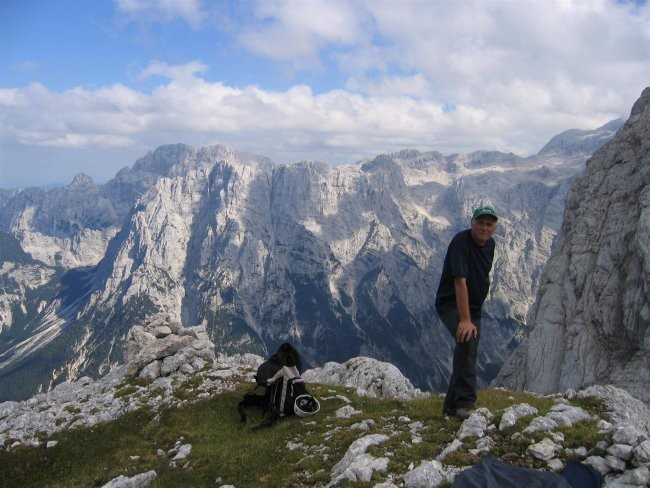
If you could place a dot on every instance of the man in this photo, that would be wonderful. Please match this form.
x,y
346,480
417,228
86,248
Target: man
x,y
464,285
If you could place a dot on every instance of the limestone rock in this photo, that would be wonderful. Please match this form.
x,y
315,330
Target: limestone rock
x,y
183,452
622,407
136,340
628,434
514,413
639,477
560,416
598,463
428,473
137,481
369,376
151,371
474,426
357,464
621,451
642,453
161,347
590,323
346,412
545,449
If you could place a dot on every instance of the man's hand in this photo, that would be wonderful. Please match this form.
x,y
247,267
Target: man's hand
x,y
466,331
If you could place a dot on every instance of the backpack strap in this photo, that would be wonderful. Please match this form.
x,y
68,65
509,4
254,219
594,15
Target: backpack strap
x,y
254,400
270,421
251,399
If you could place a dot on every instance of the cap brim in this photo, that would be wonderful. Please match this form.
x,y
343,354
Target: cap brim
x,y
488,214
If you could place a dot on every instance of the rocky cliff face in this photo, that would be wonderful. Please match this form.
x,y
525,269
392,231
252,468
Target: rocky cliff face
x,y
591,320
342,261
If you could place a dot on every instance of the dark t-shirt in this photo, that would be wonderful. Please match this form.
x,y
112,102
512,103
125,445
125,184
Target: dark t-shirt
x,y
468,260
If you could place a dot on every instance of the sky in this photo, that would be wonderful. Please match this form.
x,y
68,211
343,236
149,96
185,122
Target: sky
x,y
92,85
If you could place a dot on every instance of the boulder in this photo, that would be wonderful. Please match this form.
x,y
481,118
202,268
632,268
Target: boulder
x,y
369,376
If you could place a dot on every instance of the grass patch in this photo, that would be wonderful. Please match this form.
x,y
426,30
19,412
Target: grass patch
x,y
595,406
72,409
125,391
294,452
81,458
582,434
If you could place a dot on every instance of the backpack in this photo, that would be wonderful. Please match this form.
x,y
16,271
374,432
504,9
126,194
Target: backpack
x,y
285,393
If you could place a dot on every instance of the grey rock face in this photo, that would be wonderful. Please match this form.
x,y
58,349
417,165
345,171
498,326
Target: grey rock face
x,y
591,321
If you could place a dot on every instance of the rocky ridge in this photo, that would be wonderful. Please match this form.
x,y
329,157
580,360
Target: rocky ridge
x,y
624,458
590,323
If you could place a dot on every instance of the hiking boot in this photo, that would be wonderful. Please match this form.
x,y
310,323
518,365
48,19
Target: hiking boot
x,y
448,411
463,413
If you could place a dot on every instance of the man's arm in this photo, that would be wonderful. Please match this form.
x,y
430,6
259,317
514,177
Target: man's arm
x,y
466,329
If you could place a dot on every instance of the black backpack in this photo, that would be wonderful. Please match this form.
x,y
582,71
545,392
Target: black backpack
x,y
285,393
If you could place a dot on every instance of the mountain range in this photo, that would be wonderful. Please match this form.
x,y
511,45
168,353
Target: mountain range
x,y
342,261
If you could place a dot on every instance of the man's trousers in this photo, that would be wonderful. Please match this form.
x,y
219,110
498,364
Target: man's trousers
x,y
462,384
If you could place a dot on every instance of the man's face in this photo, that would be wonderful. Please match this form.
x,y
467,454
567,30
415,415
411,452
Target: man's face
x,y
482,229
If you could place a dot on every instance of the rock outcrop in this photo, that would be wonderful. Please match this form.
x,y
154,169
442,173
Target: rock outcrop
x,y
369,376
591,321
163,346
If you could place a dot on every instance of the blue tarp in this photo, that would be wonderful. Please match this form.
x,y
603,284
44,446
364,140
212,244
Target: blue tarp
x,y
490,472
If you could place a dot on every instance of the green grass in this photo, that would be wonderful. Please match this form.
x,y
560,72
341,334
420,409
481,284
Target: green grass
x,y
224,447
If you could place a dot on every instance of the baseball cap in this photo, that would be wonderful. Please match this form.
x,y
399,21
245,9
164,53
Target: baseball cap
x,y
484,210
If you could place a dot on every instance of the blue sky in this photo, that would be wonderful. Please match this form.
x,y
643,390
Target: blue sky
x,y
92,85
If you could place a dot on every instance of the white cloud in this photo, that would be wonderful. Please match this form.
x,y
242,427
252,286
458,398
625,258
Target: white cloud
x,y
459,51
149,11
184,72
296,31
295,118
415,86
336,126
481,42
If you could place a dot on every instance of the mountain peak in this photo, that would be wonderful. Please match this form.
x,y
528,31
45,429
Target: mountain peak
x,y
81,180
640,105
162,159
574,141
